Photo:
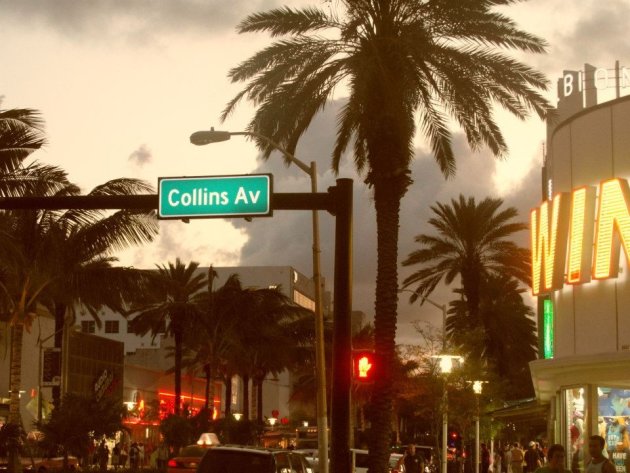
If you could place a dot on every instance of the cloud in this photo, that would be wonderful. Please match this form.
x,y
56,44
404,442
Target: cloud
x,y
141,156
138,20
600,29
286,238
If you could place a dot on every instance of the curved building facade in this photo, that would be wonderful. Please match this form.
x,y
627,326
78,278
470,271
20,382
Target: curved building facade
x,y
580,238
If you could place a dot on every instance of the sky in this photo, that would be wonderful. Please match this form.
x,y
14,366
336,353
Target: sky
x,y
122,84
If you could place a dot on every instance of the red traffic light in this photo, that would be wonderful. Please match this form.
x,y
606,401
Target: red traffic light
x,y
363,366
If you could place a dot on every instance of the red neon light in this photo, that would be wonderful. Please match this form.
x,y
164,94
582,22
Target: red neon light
x,y
184,396
140,422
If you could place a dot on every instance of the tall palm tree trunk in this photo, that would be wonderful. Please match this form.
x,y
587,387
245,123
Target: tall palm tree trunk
x,y
207,403
259,399
211,389
15,382
245,396
179,336
228,394
387,203
60,321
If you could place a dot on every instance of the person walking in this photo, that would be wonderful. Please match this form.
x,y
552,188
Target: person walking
x,y
103,455
598,463
497,462
162,456
555,461
133,456
507,459
141,456
485,458
532,458
124,454
412,461
517,458
116,456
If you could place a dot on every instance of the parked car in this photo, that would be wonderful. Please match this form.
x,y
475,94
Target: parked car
x,y
189,457
431,459
46,465
360,461
242,459
395,464
311,455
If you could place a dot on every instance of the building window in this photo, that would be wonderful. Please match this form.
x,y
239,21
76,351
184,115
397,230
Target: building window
x,y
303,301
130,326
88,326
111,326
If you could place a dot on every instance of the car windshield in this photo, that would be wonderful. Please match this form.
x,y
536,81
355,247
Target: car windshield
x,y
192,451
223,461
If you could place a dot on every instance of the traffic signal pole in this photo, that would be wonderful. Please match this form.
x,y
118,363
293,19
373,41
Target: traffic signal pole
x,y
340,461
337,201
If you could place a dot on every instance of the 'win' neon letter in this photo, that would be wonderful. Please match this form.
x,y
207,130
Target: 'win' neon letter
x,y
612,217
549,243
580,249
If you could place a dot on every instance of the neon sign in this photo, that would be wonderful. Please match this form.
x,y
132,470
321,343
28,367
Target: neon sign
x,y
547,329
562,236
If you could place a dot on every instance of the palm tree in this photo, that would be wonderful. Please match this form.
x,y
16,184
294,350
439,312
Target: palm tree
x,y
216,333
80,247
20,306
502,335
270,339
73,249
22,133
400,60
172,309
472,243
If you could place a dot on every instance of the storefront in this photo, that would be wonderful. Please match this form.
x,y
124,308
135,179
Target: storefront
x,y
580,239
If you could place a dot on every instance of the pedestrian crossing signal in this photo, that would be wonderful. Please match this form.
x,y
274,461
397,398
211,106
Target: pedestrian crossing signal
x,y
363,366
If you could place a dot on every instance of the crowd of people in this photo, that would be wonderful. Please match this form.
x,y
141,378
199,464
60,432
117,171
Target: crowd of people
x,y
135,456
539,459
536,458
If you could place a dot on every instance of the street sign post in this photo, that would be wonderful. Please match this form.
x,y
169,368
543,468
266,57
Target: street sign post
x,y
215,196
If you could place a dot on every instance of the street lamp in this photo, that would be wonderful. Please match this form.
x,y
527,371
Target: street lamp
x,y
201,138
272,422
477,388
446,366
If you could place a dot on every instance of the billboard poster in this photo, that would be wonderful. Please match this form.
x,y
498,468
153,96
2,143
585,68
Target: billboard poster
x,y
613,425
51,367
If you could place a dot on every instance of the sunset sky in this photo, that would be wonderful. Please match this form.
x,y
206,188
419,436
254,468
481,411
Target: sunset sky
x,y
122,85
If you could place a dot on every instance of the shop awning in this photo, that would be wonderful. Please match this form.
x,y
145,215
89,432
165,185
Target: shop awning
x,y
606,369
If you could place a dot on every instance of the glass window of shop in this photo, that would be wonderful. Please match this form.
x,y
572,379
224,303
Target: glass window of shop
x,y
576,436
613,422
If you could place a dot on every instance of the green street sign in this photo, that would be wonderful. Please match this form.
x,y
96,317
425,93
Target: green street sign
x,y
215,196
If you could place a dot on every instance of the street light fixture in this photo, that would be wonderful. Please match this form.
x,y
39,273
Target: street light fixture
x,y
201,138
446,366
477,387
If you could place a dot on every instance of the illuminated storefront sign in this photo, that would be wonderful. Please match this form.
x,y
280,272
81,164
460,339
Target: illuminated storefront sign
x,y
562,236
600,78
547,329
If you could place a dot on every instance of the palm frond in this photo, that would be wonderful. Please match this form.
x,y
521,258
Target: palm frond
x,y
282,21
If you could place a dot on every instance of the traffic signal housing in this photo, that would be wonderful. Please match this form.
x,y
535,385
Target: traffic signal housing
x,y
363,366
